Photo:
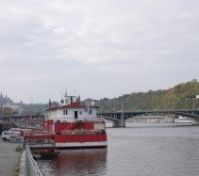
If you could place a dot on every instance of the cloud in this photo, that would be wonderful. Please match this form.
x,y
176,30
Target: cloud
x,y
103,48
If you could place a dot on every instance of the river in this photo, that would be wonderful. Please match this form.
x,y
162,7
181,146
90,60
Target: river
x,y
151,151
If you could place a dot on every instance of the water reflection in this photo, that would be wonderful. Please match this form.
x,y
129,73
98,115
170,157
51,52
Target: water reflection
x,y
76,162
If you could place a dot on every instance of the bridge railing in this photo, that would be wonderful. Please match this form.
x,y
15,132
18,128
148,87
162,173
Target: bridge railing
x,y
31,165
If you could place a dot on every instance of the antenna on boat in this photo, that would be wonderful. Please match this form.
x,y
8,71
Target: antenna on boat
x,y
65,95
49,103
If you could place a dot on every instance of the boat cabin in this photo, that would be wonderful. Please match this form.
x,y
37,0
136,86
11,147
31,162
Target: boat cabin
x,y
71,110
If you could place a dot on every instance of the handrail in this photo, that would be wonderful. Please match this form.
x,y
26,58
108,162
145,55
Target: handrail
x,y
32,167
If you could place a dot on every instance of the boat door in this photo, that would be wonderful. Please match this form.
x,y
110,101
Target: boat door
x,y
76,114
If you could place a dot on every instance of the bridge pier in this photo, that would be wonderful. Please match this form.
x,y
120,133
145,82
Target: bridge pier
x,y
197,121
119,124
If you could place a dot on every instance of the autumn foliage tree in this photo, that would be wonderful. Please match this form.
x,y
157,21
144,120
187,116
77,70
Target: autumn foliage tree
x,y
181,96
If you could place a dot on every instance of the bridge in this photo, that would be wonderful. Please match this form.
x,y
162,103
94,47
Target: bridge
x,y
119,118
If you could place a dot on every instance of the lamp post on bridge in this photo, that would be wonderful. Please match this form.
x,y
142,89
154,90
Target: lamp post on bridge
x,y
114,115
1,109
197,98
122,121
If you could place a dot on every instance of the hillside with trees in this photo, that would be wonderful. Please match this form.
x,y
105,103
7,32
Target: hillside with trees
x,y
181,96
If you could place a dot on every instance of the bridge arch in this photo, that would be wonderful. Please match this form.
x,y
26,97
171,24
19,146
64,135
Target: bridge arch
x,y
119,118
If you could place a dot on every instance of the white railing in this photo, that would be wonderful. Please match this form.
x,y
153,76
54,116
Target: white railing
x,y
82,132
32,167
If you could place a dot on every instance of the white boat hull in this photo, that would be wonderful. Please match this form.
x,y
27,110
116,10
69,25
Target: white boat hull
x,y
81,145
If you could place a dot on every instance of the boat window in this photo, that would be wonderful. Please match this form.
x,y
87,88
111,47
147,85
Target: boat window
x,y
80,112
76,114
90,111
65,112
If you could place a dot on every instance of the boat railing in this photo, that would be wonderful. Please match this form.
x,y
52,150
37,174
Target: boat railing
x,y
32,167
82,132
41,132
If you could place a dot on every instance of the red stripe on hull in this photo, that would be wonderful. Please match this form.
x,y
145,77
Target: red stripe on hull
x,y
80,138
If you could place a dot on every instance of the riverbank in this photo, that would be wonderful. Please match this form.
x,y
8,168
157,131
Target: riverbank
x,y
9,159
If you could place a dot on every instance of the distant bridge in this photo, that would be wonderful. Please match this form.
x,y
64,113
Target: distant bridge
x,y
20,121
119,118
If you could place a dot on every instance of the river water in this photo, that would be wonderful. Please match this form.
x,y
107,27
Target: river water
x,y
151,151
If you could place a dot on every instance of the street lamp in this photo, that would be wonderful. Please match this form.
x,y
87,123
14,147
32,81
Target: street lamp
x,y
197,98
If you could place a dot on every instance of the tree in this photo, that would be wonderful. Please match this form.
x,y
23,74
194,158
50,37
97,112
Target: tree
x,y
7,111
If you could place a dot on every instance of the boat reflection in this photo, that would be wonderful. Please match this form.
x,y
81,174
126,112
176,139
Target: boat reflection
x,y
76,162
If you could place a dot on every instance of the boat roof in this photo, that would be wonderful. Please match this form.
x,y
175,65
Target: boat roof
x,y
74,105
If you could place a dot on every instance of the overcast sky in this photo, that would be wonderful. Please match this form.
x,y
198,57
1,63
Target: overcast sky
x,y
96,48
